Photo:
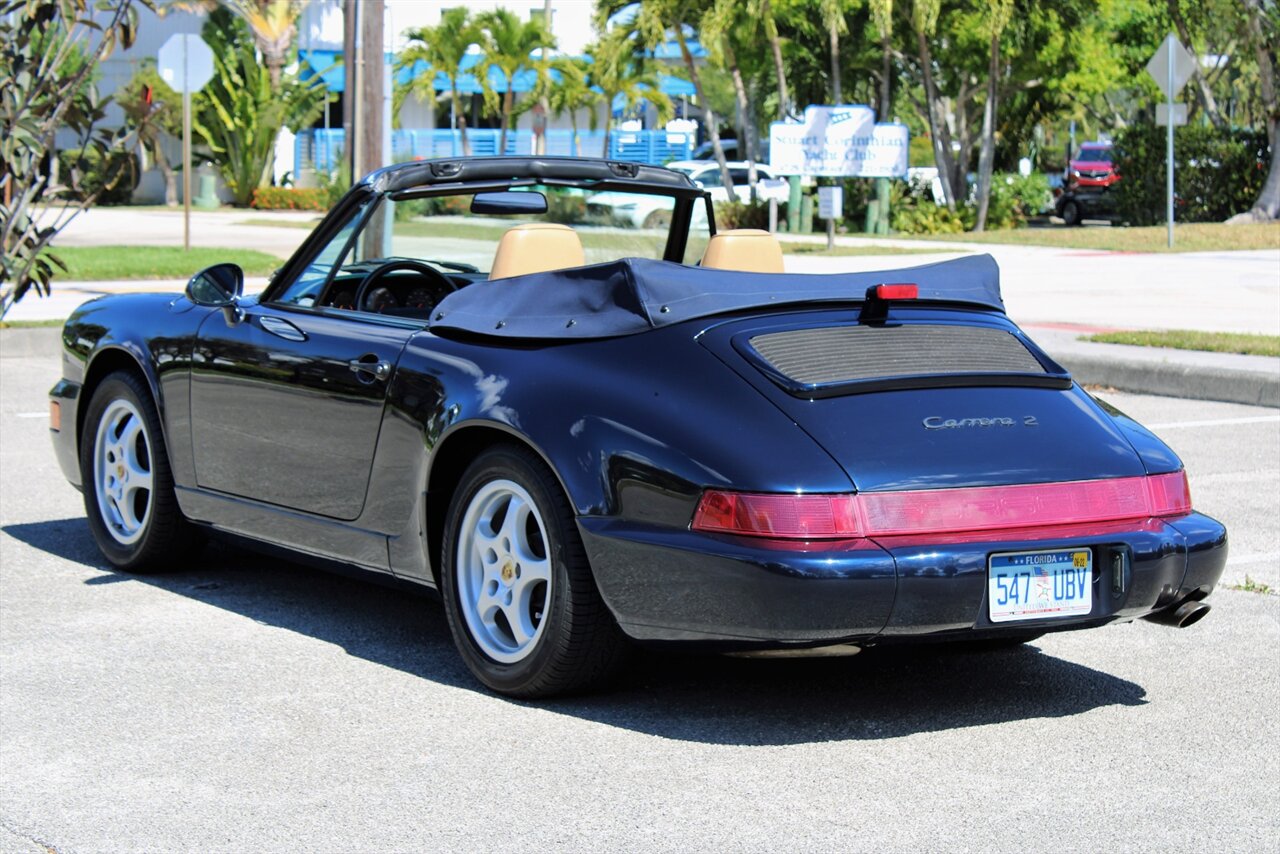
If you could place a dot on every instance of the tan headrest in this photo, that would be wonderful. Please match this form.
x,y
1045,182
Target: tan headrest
x,y
748,250
535,247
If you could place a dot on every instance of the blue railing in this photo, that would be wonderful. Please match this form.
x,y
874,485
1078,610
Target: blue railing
x,y
322,149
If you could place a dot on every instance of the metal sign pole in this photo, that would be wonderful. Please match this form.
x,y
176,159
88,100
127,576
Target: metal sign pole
x,y
186,151
1168,209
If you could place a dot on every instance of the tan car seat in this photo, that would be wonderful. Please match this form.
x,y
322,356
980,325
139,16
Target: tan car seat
x,y
536,247
747,250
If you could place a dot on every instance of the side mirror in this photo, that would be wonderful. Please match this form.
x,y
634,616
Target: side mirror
x,y
219,285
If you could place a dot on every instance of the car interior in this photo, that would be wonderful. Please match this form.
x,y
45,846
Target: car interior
x,y
400,257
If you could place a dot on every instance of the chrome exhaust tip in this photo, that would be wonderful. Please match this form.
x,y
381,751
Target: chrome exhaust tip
x,y
1187,614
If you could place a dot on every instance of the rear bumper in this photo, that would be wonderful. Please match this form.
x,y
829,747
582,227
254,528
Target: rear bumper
x,y
679,586
67,395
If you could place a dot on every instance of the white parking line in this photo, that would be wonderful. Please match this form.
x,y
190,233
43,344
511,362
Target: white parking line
x,y
1217,422
31,415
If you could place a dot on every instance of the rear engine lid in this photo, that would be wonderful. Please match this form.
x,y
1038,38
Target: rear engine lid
x,y
845,358
931,399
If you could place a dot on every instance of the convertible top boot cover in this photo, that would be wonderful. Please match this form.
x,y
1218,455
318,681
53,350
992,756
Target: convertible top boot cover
x,y
634,295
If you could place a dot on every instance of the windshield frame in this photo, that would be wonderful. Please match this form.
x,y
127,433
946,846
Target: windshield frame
x,y
684,200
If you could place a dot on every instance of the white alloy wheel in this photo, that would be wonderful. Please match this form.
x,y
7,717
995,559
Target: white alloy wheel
x,y
503,571
122,460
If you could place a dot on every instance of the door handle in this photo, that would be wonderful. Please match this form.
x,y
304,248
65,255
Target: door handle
x,y
371,364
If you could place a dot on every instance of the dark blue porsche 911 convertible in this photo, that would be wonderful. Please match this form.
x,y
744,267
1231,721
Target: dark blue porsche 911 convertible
x,y
477,375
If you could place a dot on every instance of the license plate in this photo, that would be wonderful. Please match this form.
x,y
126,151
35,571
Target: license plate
x,y
1039,585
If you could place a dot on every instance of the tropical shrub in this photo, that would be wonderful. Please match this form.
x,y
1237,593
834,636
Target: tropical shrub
x,y
106,177
290,199
745,214
1217,173
240,114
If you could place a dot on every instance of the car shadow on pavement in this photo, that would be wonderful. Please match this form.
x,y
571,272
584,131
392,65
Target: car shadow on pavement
x,y
879,693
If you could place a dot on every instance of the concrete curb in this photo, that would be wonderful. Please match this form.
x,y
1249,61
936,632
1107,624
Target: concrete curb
x,y
1226,377
1253,380
1174,379
38,342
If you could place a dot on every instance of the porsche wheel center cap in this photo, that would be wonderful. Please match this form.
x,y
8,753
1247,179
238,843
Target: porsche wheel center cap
x,y
508,572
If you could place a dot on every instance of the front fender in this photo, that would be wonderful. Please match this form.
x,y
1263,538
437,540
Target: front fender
x,y
149,333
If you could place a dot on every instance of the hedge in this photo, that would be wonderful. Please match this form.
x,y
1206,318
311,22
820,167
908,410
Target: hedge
x,y
290,199
1217,173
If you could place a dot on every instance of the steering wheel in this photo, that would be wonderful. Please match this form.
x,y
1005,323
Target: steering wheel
x,y
424,270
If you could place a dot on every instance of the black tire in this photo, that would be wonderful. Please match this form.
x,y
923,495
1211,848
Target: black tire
x,y
163,537
1071,213
576,646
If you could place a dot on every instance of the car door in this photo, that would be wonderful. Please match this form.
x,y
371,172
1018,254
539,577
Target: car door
x,y
287,397
286,405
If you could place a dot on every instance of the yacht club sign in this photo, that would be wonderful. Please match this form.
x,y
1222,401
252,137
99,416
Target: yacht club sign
x,y
840,141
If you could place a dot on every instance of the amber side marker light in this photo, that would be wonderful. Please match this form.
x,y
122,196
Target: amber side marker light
x,y
943,511
55,416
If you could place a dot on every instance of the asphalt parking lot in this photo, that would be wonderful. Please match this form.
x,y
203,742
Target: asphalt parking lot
x,y
253,704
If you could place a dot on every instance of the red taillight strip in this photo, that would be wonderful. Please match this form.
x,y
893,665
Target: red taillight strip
x,y
940,511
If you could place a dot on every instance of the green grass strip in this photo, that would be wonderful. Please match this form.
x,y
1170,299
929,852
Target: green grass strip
x,y
1190,339
120,263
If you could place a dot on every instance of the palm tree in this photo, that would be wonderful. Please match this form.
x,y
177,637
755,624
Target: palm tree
x,y
998,13
274,24
653,22
573,93
508,44
882,16
442,48
763,10
721,24
833,12
618,70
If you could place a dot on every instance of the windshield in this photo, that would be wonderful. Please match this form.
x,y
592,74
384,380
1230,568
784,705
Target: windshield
x,y
443,231
1095,155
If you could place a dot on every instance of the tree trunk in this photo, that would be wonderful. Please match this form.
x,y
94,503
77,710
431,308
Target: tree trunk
x,y
540,139
459,117
608,128
885,107
1203,91
937,126
747,131
508,101
986,158
836,96
708,116
170,177
779,68
573,123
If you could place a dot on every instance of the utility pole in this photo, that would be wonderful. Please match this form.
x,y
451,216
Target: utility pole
x,y
371,112
350,30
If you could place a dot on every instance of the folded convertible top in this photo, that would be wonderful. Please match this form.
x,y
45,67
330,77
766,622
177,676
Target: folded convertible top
x,y
637,294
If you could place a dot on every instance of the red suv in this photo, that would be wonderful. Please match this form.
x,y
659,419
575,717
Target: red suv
x,y
1092,167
